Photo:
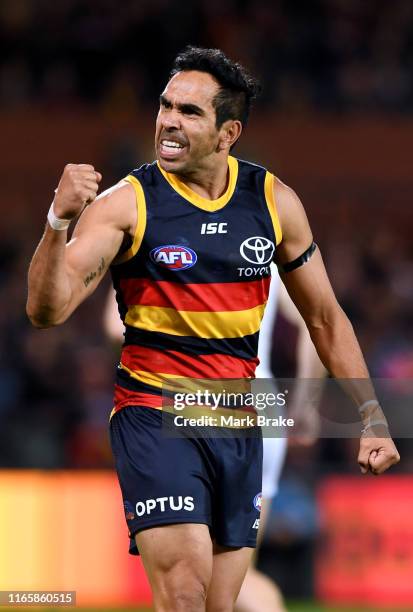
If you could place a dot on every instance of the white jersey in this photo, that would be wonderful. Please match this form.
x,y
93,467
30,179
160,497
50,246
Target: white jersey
x,y
274,448
267,327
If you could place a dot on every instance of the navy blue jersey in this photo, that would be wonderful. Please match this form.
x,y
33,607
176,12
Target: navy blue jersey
x,y
193,286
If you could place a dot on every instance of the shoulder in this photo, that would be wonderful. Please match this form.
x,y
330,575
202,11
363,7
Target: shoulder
x,y
296,231
249,167
285,195
120,199
115,206
145,174
289,207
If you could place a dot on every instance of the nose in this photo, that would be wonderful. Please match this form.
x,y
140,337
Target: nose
x,y
170,119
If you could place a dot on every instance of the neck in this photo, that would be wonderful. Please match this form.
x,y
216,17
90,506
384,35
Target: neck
x,y
209,183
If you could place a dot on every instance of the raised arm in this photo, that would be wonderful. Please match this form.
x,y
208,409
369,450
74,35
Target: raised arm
x,y
329,327
61,274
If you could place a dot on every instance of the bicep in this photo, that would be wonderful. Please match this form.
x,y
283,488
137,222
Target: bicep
x,y
296,231
88,256
310,289
97,239
308,285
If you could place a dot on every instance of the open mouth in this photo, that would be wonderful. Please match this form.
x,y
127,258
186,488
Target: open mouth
x,y
171,149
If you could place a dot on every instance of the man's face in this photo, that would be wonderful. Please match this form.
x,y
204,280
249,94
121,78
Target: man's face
x,y
186,137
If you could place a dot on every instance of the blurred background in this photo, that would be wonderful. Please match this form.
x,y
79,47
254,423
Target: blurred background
x,y
79,82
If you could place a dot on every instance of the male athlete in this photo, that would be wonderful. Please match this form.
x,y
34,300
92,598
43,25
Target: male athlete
x,y
258,591
192,304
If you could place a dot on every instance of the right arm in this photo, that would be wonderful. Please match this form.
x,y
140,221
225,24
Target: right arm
x,y
62,275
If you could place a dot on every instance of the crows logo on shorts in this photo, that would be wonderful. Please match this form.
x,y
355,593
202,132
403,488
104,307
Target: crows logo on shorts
x,y
258,502
129,511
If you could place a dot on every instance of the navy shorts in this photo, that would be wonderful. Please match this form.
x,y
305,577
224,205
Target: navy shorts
x,y
166,480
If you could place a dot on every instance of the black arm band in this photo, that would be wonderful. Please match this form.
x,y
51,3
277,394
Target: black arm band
x,y
300,261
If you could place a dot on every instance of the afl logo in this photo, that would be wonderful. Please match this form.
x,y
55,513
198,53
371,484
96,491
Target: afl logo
x,y
174,257
258,501
257,250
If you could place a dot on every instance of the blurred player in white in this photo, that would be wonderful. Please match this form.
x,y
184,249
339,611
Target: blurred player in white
x,y
258,592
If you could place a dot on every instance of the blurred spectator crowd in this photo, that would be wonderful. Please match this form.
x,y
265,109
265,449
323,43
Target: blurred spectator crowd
x,y
312,56
56,385
329,55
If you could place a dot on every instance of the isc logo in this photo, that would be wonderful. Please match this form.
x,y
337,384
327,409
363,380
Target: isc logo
x,y
214,228
174,257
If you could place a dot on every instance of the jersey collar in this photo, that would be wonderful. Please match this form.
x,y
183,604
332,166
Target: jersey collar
x,y
197,200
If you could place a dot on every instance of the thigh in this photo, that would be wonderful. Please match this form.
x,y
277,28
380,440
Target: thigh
x,y
163,480
228,572
178,562
238,491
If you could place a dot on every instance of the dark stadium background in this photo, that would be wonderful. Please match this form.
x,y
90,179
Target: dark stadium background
x,y
79,82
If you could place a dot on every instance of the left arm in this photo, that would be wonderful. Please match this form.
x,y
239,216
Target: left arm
x,y
329,328
311,292
308,361
304,412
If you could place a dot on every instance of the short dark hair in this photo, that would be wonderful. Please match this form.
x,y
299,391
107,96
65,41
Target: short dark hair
x,y
237,88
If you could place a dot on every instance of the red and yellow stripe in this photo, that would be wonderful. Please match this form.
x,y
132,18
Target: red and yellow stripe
x,y
209,324
126,397
142,359
218,297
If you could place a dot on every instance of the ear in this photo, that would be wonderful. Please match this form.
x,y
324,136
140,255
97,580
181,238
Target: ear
x,y
230,131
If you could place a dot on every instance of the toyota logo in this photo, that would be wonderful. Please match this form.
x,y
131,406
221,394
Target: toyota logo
x,y
257,250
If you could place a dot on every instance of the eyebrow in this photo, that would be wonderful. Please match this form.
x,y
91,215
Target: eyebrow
x,y
184,108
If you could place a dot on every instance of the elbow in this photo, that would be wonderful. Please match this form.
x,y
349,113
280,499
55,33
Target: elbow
x,y
42,319
39,322
332,321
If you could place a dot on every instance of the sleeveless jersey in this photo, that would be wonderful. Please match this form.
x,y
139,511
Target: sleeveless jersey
x,y
192,288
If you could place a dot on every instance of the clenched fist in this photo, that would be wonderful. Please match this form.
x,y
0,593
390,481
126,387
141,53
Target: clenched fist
x,y
377,451
77,187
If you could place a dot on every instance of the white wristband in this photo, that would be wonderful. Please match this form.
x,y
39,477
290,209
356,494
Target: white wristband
x,y
373,424
55,222
372,402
